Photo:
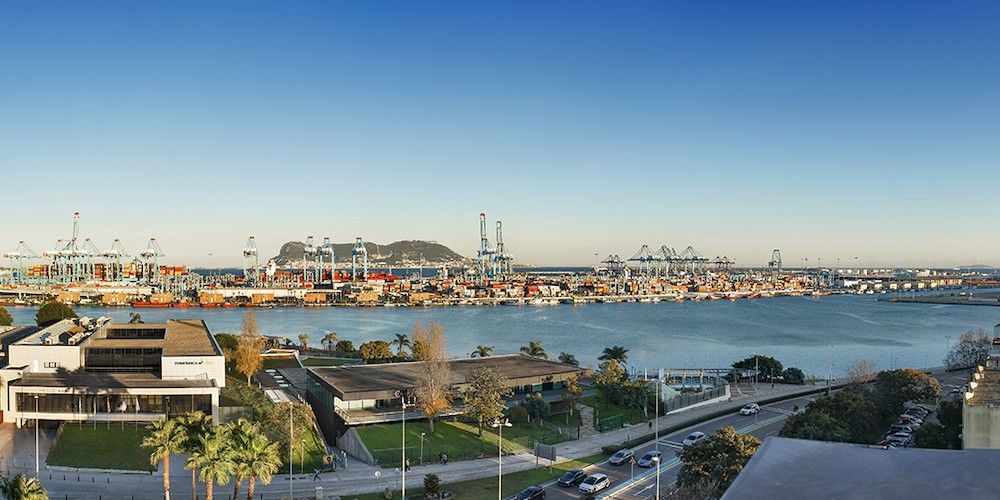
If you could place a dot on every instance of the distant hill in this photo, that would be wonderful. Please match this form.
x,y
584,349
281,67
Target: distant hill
x,y
976,267
398,254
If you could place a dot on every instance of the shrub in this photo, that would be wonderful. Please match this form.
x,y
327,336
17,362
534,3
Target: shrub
x,y
345,346
5,317
519,414
432,484
793,375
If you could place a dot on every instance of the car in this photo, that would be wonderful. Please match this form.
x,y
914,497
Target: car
x,y
904,436
750,409
901,428
647,459
572,477
594,483
918,411
694,438
910,420
621,456
530,493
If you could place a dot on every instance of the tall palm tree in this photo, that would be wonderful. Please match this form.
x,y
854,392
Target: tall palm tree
x,y
482,351
239,434
194,424
165,437
569,359
304,341
261,459
535,349
329,340
212,459
401,342
22,487
616,352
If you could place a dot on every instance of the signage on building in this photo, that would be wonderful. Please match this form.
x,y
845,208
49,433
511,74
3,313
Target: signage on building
x,y
996,341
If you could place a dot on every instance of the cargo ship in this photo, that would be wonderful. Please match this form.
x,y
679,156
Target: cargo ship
x,y
143,304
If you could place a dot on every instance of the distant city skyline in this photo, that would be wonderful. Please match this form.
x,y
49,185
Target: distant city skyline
x,y
826,130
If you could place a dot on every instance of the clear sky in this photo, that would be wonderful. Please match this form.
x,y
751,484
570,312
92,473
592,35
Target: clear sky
x,y
827,129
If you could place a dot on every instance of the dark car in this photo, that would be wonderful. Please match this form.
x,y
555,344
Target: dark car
x,y
531,492
573,477
621,456
649,459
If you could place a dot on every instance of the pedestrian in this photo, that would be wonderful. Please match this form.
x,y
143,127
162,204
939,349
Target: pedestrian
x,y
406,465
650,424
444,459
315,474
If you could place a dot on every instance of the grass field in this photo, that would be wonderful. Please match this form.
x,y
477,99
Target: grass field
x,y
103,447
560,413
275,363
487,487
330,361
631,414
460,441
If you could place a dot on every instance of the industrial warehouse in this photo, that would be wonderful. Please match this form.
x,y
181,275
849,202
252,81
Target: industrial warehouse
x,y
93,370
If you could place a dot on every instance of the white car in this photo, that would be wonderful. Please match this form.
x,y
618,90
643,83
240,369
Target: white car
x,y
750,409
694,438
594,483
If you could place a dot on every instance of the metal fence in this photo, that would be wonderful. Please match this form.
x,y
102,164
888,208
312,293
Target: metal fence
x,y
609,423
689,399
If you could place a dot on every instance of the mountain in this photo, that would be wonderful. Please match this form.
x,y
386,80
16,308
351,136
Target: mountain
x,y
396,254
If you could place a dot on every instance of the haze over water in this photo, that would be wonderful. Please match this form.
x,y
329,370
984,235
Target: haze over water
x,y
796,330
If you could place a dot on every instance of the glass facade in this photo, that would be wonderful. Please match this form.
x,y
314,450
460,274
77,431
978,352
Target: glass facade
x,y
90,404
124,359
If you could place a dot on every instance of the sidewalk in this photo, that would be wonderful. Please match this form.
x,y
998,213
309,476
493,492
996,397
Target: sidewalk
x,y
359,478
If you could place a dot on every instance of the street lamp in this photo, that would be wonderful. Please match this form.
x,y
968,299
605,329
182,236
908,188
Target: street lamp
x,y
36,435
402,402
291,443
422,434
499,425
657,460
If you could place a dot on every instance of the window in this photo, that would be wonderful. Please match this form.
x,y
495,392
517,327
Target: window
x,y
51,364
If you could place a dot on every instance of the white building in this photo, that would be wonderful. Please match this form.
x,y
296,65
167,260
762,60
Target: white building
x,y
97,371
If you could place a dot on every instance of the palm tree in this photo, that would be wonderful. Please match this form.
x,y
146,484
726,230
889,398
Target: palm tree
x,y
617,353
304,341
22,487
212,459
261,459
482,351
194,425
165,437
239,435
535,349
401,342
569,359
329,340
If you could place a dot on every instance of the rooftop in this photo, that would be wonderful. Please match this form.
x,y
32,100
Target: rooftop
x,y
102,381
176,337
790,469
356,382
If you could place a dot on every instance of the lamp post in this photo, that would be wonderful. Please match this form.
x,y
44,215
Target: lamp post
x,y
36,435
402,402
657,460
302,457
422,434
499,425
291,442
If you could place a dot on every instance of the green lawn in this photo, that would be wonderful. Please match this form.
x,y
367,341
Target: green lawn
x,y
101,447
460,441
560,412
487,487
330,361
631,414
275,363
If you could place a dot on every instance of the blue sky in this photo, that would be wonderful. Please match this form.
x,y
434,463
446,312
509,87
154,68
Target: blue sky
x,y
827,129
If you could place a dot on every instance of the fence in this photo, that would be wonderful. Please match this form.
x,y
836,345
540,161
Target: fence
x,y
609,423
685,400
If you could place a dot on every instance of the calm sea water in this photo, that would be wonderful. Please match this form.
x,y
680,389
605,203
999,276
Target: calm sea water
x,y
796,330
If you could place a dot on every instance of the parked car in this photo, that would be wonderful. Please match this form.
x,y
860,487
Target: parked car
x,y
621,457
694,438
902,435
647,459
594,483
572,477
750,409
911,419
531,493
901,428
919,411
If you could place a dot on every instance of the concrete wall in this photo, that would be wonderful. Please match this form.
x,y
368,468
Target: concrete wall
x,y
195,367
980,426
351,443
35,357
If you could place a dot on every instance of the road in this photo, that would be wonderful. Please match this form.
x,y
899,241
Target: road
x,y
634,482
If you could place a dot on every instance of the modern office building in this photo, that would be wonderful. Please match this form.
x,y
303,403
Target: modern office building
x,y
93,370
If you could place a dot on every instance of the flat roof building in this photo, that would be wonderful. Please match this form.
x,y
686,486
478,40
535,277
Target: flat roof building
x,y
981,404
98,371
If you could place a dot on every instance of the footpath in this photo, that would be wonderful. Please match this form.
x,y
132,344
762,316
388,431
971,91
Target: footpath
x,y
359,478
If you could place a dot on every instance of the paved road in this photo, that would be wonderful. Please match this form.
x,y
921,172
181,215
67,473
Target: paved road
x,y
634,482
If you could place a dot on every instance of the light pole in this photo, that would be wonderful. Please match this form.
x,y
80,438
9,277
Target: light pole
x,y
291,442
422,447
36,435
657,460
402,401
302,457
499,425
656,411
947,350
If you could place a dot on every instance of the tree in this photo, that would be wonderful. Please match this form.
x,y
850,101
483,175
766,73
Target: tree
x,y
895,387
194,425
848,416
5,318
53,312
304,341
720,458
617,353
344,346
817,426
482,351
609,379
248,353
572,395
861,372
22,487
239,434
569,359
212,459
932,435
134,319
792,375
228,343
260,459
768,366
537,407
432,484
165,437
971,349
488,388
329,339
535,350
401,342
375,351
433,389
